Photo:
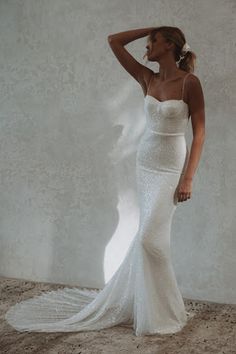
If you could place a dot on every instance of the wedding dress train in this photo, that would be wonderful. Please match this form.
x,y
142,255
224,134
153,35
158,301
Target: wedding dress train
x,y
143,292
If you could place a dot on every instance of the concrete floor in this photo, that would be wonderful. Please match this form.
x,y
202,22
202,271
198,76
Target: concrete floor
x,y
212,329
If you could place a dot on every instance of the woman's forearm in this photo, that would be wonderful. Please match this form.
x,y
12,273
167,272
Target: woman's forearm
x,y
129,36
194,157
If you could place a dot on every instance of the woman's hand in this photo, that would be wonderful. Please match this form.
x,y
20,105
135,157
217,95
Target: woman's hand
x,y
184,190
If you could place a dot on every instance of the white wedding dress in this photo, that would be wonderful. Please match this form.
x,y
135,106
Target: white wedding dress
x,y
143,293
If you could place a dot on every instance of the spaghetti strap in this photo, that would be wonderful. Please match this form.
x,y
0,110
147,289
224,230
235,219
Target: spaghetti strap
x,y
149,83
184,85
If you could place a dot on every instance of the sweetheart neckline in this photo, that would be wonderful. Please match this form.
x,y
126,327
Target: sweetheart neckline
x,y
166,100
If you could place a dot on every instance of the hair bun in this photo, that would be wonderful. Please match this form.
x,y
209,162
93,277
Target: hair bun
x,y
186,48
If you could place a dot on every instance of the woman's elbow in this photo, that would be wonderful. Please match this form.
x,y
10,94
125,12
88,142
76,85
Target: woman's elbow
x,y
199,136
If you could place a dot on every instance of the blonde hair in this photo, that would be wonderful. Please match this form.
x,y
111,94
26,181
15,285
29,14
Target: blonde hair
x,y
176,36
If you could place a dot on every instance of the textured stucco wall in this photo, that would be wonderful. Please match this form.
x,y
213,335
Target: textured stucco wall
x,y
70,121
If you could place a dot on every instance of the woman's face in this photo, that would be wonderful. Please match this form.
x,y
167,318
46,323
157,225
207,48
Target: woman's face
x,y
157,47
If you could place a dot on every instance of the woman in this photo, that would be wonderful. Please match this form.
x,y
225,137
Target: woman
x,y
143,292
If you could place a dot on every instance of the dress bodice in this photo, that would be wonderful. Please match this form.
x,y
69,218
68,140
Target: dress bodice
x,y
168,117
163,146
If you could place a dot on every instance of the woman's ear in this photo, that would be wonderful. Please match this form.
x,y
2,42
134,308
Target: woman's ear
x,y
171,46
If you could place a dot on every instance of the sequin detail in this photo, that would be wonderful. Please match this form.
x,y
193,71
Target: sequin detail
x,y
143,292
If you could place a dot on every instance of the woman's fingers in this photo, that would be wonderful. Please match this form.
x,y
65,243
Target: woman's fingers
x,y
184,196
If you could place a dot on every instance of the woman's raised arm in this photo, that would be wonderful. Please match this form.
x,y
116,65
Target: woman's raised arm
x,y
117,41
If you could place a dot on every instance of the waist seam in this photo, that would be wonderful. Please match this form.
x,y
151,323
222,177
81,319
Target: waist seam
x,y
167,134
159,170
